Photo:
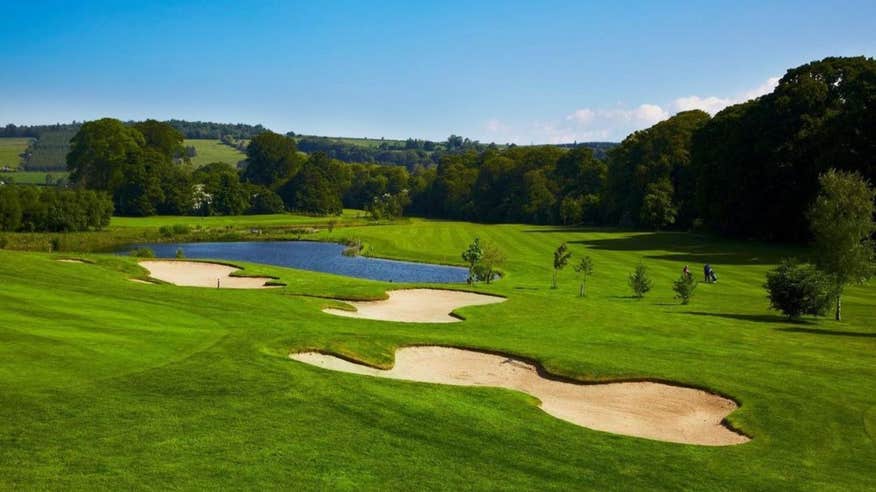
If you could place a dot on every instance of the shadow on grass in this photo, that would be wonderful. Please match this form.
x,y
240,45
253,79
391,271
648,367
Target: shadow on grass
x,y
819,331
757,318
560,229
695,248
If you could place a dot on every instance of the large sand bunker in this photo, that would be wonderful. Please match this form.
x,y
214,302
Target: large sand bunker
x,y
416,306
200,274
642,409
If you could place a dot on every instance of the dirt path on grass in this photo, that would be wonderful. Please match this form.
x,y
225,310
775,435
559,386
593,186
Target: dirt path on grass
x,y
200,274
416,306
642,409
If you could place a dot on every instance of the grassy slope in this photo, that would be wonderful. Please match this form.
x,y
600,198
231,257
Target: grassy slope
x,y
10,151
34,177
210,151
108,383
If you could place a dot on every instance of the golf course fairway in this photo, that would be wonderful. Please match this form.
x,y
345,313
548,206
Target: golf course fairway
x,y
108,383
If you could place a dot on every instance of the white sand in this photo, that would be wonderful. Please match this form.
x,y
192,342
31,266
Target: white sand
x,y
67,260
642,409
416,306
199,274
137,280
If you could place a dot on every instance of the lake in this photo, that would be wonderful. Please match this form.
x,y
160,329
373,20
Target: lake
x,y
313,256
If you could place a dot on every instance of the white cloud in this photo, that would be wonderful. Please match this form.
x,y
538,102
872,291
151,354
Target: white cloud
x,y
709,104
762,89
614,123
582,116
649,114
713,104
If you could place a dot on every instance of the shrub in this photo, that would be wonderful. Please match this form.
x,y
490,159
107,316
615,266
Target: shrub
x,y
491,260
561,259
165,231
179,253
354,247
472,255
265,201
180,229
796,289
142,253
640,282
684,288
584,269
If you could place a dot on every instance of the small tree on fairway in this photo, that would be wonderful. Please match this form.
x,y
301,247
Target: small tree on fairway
x,y
796,289
639,281
472,255
684,288
841,220
584,269
561,259
491,259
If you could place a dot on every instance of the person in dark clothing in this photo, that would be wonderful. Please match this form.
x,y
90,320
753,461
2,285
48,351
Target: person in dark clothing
x,y
709,273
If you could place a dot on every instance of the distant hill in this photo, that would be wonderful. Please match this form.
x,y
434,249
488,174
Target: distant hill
x,y
48,152
208,151
11,152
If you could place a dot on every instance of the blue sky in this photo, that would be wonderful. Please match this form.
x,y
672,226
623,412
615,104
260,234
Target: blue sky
x,y
527,72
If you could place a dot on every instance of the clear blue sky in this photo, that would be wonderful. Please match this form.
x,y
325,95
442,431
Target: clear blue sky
x,y
495,71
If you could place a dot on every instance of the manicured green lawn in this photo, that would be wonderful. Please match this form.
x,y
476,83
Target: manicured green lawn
x,y
10,151
105,383
210,151
34,177
239,221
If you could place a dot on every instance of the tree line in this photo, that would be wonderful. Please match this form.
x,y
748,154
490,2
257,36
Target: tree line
x,y
36,209
751,171
410,153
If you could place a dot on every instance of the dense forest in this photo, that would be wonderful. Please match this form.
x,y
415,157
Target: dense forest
x,y
751,171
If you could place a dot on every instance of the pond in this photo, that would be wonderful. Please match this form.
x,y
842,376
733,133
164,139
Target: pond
x,y
314,256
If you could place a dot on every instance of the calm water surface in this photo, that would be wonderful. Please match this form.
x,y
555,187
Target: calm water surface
x,y
314,256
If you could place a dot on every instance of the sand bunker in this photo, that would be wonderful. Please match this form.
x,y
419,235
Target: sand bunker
x,y
68,260
138,281
642,409
200,274
416,306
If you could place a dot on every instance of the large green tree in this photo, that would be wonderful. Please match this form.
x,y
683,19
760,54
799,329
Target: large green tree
x,y
220,190
318,187
655,162
272,159
162,138
842,224
134,164
758,162
100,152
